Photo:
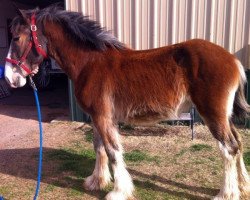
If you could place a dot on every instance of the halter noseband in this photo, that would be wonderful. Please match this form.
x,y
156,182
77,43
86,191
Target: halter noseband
x,y
33,40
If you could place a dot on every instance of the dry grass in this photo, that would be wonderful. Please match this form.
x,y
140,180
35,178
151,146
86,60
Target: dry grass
x,y
163,161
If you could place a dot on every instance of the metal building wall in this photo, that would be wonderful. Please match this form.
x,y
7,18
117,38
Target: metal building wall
x,y
143,24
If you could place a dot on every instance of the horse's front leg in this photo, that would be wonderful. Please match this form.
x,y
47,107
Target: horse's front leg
x,y
123,185
101,175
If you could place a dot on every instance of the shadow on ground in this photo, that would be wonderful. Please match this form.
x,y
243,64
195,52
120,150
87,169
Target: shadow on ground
x,y
180,194
22,163
67,169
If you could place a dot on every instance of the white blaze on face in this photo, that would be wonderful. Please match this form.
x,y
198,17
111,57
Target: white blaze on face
x,y
12,75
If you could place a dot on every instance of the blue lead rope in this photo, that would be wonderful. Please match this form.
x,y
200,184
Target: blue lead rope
x,y
41,138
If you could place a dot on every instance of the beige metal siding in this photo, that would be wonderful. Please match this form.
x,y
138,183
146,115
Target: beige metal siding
x,y
143,24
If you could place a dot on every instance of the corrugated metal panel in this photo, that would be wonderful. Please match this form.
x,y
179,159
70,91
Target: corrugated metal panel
x,y
143,24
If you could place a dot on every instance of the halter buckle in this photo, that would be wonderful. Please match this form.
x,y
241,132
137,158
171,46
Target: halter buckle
x,y
33,28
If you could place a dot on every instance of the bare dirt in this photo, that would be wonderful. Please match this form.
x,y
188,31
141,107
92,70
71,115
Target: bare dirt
x,y
19,126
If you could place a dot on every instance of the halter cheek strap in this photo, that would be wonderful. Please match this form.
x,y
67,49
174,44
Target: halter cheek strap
x,y
38,47
33,29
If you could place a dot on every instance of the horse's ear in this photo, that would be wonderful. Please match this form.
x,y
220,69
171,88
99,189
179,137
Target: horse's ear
x,y
36,9
20,12
24,15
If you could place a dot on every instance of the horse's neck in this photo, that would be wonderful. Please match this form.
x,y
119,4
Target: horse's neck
x,y
67,54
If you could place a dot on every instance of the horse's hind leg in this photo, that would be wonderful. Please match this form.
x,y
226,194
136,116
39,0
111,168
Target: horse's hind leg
x,y
243,177
101,175
216,118
123,185
229,151
236,181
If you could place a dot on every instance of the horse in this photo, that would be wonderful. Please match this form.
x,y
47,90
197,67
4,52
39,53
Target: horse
x,y
114,83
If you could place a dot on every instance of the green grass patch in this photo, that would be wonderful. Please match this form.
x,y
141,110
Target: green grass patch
x,y
60,154
213,159
139,156
80,162
49,188
145,190
29,192
180,176
199,161
181,153
200,147
4,190
146,194
88,153
74,193
246,157
89,136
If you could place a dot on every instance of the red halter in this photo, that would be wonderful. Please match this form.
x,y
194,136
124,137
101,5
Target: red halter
x,y
34,40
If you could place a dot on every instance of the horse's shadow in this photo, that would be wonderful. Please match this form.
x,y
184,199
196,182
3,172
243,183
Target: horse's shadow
x,y
66,169
56,163
179,186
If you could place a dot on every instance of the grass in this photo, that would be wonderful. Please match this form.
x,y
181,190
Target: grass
x,y
196,148
5,190
146,190
74,193
89,136
181,153
246,157
200,147
50,188
180,176
139,156
80,163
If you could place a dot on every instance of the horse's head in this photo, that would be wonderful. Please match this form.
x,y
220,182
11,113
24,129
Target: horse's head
x,y
27,49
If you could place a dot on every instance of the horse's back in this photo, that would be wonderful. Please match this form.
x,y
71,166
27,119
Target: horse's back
x,y
162,82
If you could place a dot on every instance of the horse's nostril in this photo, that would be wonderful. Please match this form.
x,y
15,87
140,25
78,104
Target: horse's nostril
x,y
17,82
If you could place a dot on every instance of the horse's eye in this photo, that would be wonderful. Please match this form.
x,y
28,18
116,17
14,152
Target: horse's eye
x,y
16,38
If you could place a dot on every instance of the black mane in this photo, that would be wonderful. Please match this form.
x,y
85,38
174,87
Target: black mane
x,y
80,28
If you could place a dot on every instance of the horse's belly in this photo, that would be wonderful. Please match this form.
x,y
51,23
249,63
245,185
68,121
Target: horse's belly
x,y
149,118
148,115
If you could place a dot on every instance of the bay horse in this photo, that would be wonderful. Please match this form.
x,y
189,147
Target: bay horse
x,y
114,83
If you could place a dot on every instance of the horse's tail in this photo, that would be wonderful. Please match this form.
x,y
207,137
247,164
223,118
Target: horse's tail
x,y
241,108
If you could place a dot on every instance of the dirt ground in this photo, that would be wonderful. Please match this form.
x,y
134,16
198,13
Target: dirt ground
x,y
18,114
175,166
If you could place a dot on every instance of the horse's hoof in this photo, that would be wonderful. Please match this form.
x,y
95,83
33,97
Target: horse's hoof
x,y
226,197
91,183
115,195
96,183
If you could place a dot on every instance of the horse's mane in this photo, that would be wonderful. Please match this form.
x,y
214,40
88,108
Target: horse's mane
x,y
80,28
